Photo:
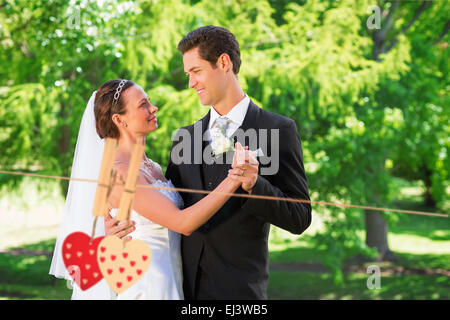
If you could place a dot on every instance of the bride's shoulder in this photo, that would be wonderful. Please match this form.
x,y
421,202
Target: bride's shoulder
x,y
153,165
149,171
157,165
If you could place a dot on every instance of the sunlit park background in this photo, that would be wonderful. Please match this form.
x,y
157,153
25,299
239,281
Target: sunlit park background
x,y
365,80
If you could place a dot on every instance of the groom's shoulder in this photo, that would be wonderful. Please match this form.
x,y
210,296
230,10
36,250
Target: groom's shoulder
x,y
190,127
271,119
186,132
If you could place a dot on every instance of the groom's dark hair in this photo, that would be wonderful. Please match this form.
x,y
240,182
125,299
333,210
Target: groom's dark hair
x,y
212,41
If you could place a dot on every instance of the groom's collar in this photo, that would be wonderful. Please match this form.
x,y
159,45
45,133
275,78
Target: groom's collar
x,y
236,114
250,118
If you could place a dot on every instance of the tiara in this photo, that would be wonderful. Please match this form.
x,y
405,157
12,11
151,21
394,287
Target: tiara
x,y
119,90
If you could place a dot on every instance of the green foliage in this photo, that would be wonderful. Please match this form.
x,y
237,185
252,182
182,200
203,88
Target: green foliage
x,y
363,118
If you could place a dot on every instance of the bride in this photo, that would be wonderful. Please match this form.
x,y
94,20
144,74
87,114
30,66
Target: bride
x,y
121,109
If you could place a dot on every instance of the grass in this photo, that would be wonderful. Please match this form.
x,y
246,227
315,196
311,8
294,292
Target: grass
x,y
309,285
421,244
304,284
26,277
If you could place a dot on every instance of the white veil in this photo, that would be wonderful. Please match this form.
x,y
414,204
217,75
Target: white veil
x,y
77,215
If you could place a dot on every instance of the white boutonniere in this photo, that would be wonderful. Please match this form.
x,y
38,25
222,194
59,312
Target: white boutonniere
x,y
221,144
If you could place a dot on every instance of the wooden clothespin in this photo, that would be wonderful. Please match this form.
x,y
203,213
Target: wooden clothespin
x,y
126,200
105,180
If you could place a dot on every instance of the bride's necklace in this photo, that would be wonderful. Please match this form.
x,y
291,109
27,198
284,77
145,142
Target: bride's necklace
x,y
146,161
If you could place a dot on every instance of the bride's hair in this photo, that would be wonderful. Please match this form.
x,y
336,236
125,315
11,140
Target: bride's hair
x,y
105,106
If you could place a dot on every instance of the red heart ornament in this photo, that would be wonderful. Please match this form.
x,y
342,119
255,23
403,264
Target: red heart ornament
x,y
80,259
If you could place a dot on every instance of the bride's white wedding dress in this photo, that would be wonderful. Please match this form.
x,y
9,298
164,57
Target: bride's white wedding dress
x,y
163,279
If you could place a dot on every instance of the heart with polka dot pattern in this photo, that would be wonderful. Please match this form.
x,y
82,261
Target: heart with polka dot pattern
x,y
122,264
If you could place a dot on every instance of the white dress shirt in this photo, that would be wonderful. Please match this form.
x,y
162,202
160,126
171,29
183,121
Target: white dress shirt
x,y
236,115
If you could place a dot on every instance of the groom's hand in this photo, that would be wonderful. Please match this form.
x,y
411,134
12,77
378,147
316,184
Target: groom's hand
x,y
118,229
245,167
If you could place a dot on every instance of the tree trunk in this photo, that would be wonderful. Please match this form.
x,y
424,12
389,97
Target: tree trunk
x,y
376,235
428,196
376,225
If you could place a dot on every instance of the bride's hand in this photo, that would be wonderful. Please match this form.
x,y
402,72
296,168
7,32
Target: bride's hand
x,y
244,168
118,229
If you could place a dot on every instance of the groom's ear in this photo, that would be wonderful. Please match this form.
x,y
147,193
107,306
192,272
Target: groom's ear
x,y
224,62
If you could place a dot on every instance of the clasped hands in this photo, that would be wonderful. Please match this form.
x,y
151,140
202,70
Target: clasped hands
x,y
119,229
244,170
244,167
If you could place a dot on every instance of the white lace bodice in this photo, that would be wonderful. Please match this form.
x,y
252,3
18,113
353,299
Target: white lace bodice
x,y
149,166
150,169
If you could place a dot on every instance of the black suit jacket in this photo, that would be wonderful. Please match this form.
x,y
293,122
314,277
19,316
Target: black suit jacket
x,y
231,249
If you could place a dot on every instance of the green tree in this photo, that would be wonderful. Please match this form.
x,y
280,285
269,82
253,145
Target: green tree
x,y
369,104
411,23
422,94
54,63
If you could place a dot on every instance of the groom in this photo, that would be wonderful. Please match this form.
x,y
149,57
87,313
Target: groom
x,y
227,258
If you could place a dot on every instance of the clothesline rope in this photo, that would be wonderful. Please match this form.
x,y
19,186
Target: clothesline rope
x,y
324,203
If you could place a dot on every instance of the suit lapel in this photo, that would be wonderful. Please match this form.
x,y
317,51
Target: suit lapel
x,y
194,172
250,121
251,118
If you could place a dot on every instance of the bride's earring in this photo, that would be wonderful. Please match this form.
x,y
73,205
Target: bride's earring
x,y
124,124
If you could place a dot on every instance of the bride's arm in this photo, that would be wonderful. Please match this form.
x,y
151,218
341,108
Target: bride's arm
x,y
156,207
